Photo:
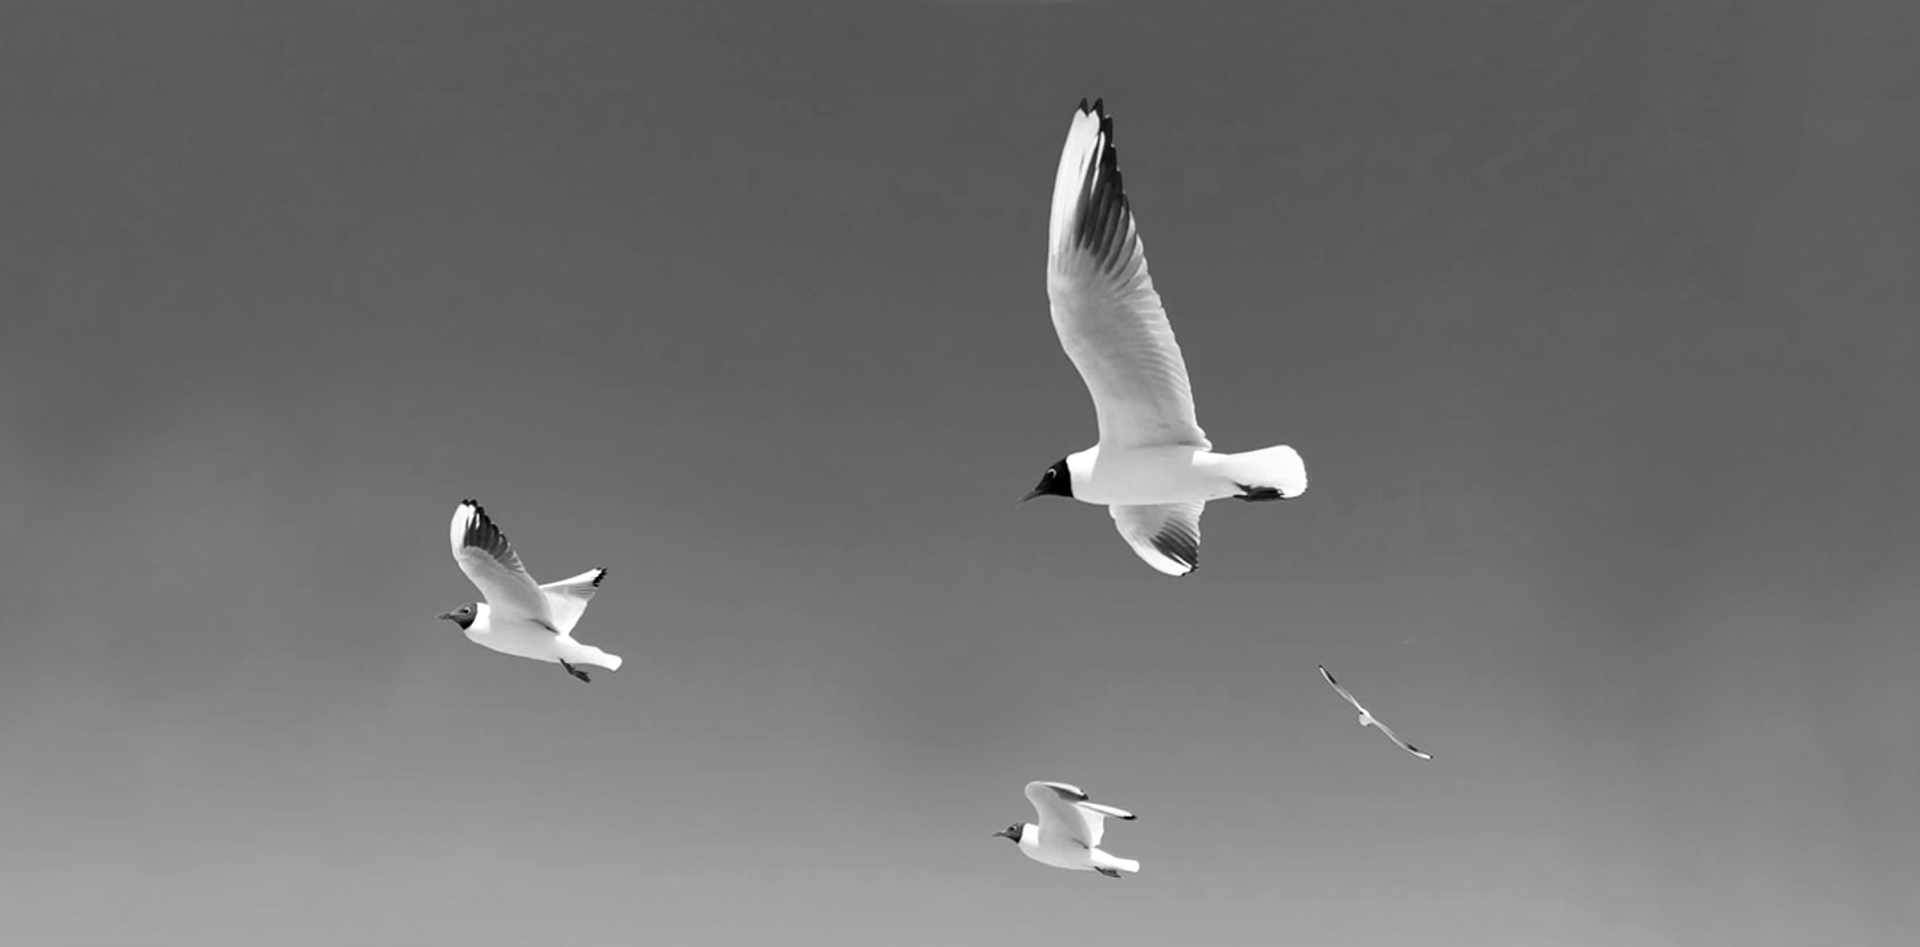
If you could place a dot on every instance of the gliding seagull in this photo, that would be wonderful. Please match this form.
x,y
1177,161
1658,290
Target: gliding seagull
x,y
1153,467
519,617
1068,835
1366,719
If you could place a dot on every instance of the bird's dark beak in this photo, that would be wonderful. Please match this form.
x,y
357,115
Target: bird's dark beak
x,y
1036,491
445,616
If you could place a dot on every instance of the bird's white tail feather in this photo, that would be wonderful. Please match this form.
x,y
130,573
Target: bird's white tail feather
x,y
588,654
1103,860
1277,468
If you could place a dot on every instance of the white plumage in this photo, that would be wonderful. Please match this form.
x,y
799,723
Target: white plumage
x,y
1153,464
1368,720
1071,827
520,617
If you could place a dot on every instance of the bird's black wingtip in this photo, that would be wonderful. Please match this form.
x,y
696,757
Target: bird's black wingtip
x,y
1179,544
602,574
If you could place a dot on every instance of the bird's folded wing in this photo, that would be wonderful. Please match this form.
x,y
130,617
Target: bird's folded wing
x,y
1060,812
1097,815
567,599
490,562
1166,535
1109,318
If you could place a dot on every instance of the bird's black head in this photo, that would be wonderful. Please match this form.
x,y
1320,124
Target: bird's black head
x,y
1055,482
1011,833
462,616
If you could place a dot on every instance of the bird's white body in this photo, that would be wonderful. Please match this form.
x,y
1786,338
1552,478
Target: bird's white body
x,y
524,639
1061,852
1180,473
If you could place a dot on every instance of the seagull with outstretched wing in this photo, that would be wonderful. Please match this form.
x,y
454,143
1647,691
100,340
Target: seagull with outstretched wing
x,y
1367,719
1069,832
1153,467
520,617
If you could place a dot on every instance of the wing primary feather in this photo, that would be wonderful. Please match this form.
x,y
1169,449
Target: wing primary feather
x,y
1179,544
482,534
489,561
1104,209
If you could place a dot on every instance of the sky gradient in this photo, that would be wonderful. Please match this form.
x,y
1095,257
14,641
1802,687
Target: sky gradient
x,y
1595,323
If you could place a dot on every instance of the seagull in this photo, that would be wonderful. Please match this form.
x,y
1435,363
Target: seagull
x,y
519,617
1366,719
1153,467
1068,835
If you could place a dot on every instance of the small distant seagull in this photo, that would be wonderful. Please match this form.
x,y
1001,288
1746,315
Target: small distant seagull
x,y
1068,835
1153,467
519,617
1366,719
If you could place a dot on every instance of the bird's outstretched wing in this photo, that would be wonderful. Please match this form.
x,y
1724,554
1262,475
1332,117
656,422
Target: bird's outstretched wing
x,y
1097,816
1105,310
1410,748
494,568
1341,690
1061,816
1165,535
567,599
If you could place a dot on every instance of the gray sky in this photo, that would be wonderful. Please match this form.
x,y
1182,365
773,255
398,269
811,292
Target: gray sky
x,y
1594,322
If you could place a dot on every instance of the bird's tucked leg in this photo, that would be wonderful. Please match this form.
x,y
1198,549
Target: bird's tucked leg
x,y
1253,494
1109,872
576,672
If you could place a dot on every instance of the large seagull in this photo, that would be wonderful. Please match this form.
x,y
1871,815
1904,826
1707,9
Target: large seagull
x,y
519,617
1153,467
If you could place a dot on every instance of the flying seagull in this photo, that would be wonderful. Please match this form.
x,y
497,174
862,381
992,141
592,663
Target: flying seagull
x,y
1068,835
1366,719
519,617
1153,467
